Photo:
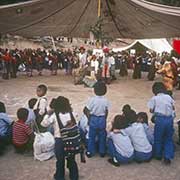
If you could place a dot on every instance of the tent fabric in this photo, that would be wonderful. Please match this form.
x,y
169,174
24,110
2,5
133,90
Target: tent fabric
x,y
157,45
133,19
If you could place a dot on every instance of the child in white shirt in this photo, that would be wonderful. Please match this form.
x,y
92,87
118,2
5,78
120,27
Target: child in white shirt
x,y
142,147
119,144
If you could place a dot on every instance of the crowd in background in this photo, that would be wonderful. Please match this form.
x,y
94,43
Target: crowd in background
x,y
86,66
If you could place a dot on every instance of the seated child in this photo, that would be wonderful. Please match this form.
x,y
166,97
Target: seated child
x,y
96,111
128,113
31,115
142,117
5,128
119,144
142,147
22,134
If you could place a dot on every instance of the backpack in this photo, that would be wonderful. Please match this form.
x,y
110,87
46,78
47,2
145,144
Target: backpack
x,y
70,136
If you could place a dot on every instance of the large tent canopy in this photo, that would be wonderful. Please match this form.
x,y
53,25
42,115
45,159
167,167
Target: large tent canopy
x,y
135,19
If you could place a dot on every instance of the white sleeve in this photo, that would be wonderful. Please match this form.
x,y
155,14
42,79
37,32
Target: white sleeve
x,y
89,104
42,106
48,120
151,104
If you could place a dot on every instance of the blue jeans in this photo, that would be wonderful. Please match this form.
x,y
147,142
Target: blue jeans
x,y
141,156
60,163
97,128
113,153
163,137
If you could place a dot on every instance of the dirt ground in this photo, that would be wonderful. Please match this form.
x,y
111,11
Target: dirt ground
x,y
16,92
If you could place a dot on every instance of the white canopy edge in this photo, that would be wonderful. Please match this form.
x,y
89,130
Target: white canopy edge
x,y
18,4
158,8
157,45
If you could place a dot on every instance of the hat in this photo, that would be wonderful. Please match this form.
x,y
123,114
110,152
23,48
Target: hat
x,y
106,50
93,56
82,48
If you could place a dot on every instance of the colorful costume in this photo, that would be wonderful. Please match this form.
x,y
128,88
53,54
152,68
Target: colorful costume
x,y
168,76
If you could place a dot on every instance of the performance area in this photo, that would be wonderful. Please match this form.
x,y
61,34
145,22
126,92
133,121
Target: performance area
x,y
125,90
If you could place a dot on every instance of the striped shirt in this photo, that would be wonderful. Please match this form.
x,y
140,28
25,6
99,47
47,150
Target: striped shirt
x,y
21,133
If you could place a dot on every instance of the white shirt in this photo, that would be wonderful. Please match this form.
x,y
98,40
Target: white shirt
x,y
83,124
31,116
122,144
82,58
97,105
138,137
112,60
52,120
95,64
42,103
162,103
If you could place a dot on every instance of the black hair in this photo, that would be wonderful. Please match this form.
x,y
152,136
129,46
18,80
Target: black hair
x,y
32,102
126,108
144,116
2,107
22,114
43,87
62,105
100,88
158,87
119,122
130,117
52,103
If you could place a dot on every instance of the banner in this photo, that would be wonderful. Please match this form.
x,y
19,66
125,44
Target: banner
x,y
176,46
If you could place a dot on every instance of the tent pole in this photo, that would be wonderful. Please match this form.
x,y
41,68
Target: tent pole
x,y
54,46
99,8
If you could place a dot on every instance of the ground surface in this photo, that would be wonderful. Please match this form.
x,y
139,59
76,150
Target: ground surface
x,y
16,92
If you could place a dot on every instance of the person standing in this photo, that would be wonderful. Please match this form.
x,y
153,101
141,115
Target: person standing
x,y
137,67
96,111
162,106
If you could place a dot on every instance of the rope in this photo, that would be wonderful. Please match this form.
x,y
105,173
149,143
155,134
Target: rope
x,y
42,19
79,19
114,20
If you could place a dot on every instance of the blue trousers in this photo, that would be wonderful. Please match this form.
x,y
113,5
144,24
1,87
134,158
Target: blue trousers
x,y
97,128
113,153
60,163
163,137
141,156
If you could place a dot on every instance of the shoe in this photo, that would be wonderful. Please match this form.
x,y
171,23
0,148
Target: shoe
x,y
116,164
139,162
102,155
158,158
167,161
88,154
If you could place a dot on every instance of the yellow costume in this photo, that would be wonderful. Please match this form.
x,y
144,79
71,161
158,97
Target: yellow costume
x,y
168,76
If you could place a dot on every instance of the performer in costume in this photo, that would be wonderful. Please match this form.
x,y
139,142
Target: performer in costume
x,y
106,64
168,76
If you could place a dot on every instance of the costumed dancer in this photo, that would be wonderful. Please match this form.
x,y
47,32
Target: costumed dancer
x,y
152,69
137,67
112,66
106,66
79,73
168,76
123,66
